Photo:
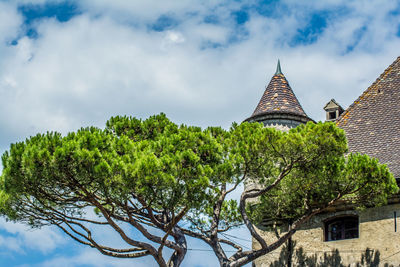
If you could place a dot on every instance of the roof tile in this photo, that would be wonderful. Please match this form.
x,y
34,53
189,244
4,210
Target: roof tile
x,y
372,122
278,96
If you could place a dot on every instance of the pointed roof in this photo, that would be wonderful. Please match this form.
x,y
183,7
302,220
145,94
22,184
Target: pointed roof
x,y
372,122
332,104
278,68
279,98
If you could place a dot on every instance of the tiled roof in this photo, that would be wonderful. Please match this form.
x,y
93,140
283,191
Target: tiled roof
x,y
278,98
372,122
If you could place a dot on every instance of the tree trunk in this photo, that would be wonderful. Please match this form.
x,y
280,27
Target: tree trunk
x,y
178,256
289,247
289,252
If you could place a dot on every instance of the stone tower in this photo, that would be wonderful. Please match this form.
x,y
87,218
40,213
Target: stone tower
x,y
279,107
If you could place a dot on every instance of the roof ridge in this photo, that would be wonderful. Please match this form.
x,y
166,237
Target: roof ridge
x,y
372,86
372,121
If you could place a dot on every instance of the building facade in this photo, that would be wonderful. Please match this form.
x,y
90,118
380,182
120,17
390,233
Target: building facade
x,y
343,236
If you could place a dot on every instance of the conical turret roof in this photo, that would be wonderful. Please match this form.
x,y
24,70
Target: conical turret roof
x,y
278,98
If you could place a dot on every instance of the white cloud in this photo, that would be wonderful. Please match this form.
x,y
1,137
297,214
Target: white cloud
x,y
11,243
138,11
108,61
91,257
22,238
82,71
10,21
174,37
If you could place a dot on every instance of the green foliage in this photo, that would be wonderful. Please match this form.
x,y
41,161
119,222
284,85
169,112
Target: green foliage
x,y
154,173
167,166
320,172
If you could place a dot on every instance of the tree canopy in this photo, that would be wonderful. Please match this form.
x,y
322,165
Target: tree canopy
x,y
168,182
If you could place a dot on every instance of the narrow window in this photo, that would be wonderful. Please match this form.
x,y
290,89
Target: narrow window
x,y
341,228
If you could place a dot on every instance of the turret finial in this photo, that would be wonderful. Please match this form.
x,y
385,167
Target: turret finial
x,y
278,68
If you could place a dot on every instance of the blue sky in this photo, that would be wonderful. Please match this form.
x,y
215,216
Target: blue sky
x,y
68,64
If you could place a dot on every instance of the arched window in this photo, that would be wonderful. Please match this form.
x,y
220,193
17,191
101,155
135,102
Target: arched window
x,y
341,228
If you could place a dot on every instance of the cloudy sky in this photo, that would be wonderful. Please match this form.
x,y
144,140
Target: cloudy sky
x,y
69,64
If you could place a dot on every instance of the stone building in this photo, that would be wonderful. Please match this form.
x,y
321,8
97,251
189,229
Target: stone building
x,y
343,236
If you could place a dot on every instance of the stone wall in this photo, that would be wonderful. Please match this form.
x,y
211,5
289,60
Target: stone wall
x,y
378,242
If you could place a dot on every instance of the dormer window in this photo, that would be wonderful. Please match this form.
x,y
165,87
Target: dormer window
x,y
341,228
333,110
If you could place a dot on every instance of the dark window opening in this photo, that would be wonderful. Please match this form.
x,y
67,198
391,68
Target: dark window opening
x,y
341,228
332,115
